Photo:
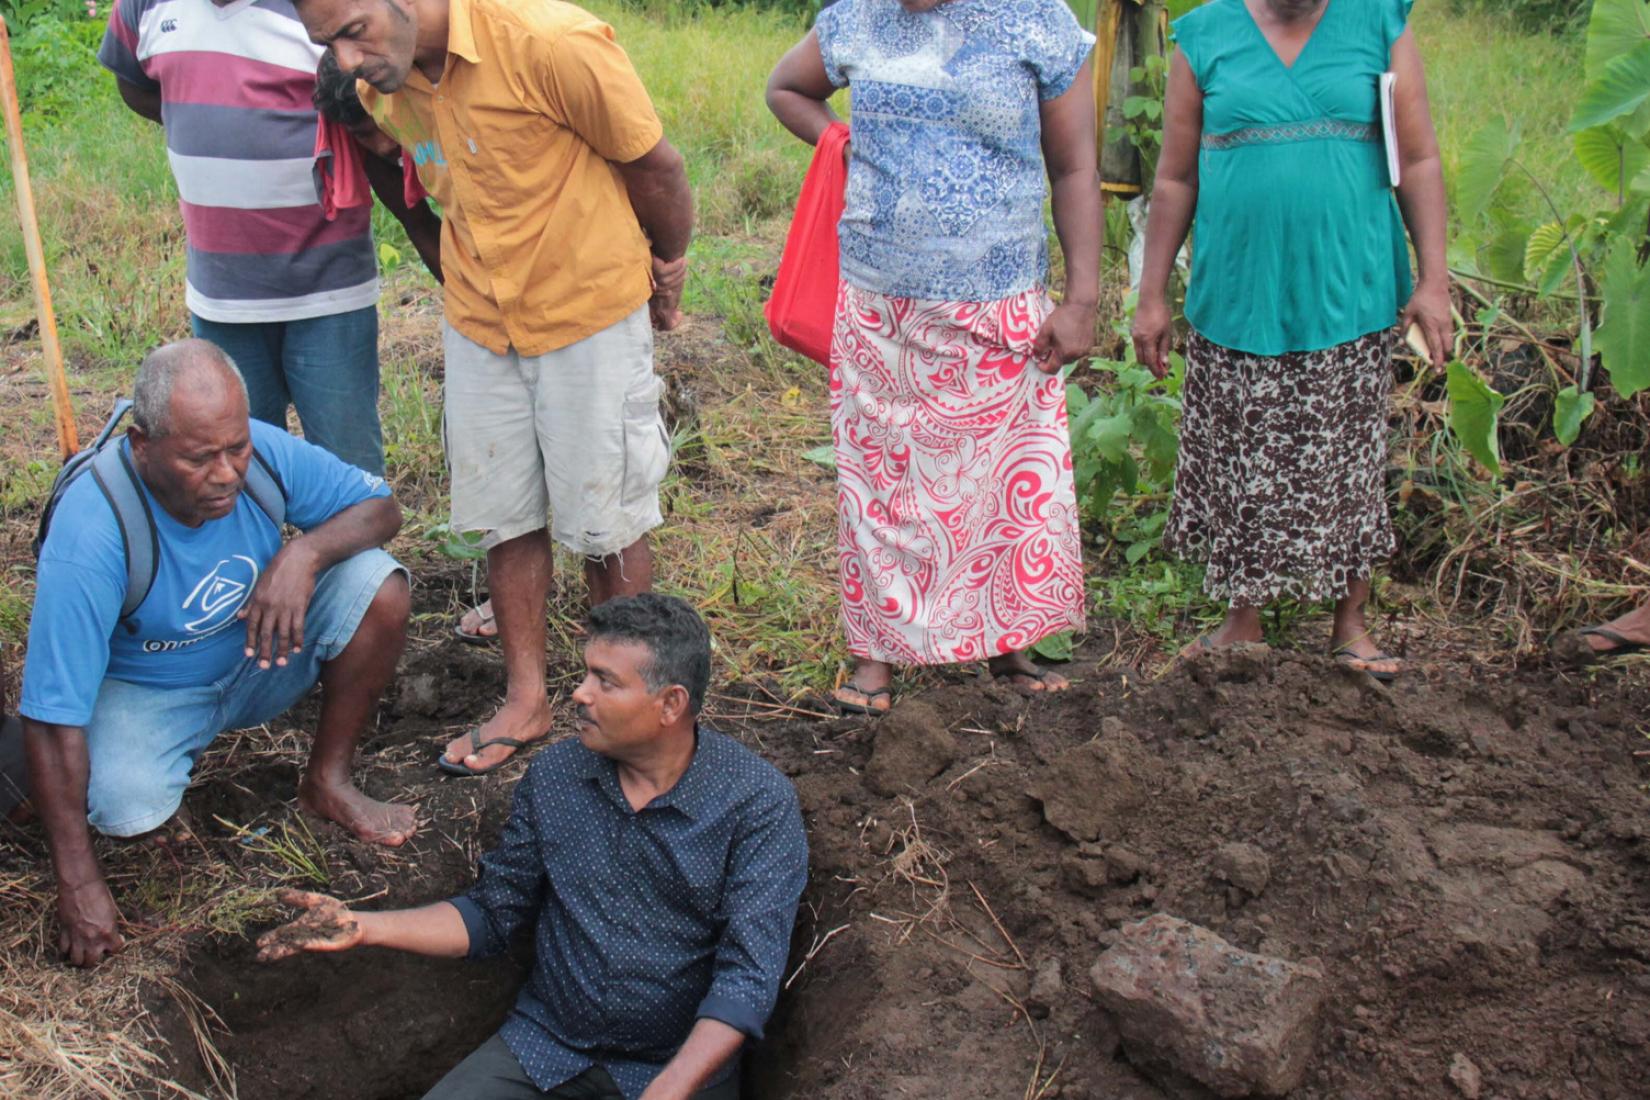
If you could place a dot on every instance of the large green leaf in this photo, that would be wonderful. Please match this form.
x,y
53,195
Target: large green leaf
x,y
1618,90
1483,167
1623,338
1570,409
1502,256
1616,26
1611,157
1474,415
1545,242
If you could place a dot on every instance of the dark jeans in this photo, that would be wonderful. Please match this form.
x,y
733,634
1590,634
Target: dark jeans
x,y
493,1073
326,367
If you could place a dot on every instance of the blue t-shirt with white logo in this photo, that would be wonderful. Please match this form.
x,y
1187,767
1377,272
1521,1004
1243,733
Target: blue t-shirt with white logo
x,y
185,633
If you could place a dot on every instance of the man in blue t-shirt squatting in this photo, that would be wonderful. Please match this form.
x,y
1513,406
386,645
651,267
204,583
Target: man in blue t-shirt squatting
x,y
236,628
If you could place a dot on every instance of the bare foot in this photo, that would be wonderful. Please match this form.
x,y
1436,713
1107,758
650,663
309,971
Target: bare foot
x,y
1018,670
386,823
525,724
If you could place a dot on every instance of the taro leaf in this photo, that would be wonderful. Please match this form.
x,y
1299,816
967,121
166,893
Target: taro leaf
x,y
1545,240
1474,413
1618,90
1055,647
1483,167
1623,338
824,455
1502,256
1570,410
1612,158
1616,26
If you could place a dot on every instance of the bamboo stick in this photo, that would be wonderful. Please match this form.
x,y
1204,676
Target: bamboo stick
x,y
68,439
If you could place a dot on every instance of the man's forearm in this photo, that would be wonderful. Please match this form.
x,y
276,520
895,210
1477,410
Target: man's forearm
x,y
359,527
59,766
436,930
421,223
709,1046
661,199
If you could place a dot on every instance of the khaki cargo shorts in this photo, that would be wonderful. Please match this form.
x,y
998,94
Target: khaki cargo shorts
x,y
574,433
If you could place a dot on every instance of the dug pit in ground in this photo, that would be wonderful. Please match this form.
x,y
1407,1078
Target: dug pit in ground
x,y
1465,861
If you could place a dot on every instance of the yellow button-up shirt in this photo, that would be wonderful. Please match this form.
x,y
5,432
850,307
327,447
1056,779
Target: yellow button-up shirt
x,y
518,142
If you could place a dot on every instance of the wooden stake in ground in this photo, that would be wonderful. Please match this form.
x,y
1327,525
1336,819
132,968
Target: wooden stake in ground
x,y
68,440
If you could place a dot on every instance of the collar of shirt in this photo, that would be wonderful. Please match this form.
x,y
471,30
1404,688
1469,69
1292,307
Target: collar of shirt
x,y
688,797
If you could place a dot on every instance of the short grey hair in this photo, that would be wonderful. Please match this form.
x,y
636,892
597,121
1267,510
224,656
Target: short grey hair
x,y
158,377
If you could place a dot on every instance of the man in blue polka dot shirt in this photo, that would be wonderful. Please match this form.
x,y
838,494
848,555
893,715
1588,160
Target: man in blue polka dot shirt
x,y
659,864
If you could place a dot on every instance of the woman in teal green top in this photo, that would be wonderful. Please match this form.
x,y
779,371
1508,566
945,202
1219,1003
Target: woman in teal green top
x,y
1272,137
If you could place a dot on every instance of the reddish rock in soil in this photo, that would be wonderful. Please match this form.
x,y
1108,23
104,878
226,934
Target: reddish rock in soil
x,y
1464,1075
1186,999
912,747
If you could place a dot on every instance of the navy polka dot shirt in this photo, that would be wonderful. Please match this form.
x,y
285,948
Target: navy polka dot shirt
x,y
643,922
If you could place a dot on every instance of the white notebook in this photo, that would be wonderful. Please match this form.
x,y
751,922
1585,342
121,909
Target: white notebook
x,y
1389,128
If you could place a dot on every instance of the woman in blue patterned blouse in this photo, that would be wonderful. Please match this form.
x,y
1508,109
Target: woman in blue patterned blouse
x,y
957,520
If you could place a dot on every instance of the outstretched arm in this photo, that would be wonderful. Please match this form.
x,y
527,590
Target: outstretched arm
x,y
327,924
1421,199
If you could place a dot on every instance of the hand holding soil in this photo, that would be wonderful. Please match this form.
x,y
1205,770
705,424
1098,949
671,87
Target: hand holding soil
x,y
326,925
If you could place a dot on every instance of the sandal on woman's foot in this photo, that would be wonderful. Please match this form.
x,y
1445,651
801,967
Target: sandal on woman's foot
x,y
1343,655
857,700
1044,681
486,632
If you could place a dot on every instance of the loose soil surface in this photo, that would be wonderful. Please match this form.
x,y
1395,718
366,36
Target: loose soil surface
x,y
1464,854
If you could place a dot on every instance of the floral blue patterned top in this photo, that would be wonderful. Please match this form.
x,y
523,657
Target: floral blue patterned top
x,y
946,180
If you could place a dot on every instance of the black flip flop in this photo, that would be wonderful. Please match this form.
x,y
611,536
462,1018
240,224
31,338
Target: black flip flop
x,y
1620,646
469,637
1037,673
845,706
1345,656
476,745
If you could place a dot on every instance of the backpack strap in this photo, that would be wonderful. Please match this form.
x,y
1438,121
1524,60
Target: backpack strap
x,y
264,486
114,474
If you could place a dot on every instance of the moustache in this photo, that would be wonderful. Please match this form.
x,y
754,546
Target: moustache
x,y
581,714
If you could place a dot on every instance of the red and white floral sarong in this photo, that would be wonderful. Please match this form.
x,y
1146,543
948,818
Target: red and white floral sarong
x,y
957,522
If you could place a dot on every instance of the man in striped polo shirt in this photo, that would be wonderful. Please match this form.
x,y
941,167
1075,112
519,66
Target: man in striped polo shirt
x,y
291,296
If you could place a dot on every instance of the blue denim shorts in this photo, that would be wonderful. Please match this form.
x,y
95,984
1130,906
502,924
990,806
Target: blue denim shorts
x,y
143,741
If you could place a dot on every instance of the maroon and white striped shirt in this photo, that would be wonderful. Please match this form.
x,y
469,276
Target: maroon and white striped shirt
x,y
235,82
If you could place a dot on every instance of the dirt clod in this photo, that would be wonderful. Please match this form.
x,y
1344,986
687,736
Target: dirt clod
x,y
912,746
1047,987
1187,1000
1464,1075
1243,866
1087,791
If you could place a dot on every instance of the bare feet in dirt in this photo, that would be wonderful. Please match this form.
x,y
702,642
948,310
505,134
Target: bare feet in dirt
x,y
1017,670
518,723
325,925
386,823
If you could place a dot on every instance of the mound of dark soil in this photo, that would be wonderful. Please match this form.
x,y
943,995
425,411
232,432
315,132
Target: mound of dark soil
x,y
1465,860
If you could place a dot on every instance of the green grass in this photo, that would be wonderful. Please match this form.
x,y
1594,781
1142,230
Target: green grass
x,y
1481,68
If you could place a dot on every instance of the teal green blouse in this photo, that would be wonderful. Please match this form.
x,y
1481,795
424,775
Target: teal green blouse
x,y
1298,244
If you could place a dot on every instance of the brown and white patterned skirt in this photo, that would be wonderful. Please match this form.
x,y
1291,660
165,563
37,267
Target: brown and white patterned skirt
x,y
1281,483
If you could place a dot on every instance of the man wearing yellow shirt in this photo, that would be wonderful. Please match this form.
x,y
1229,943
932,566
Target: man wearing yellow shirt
x,y
567,217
